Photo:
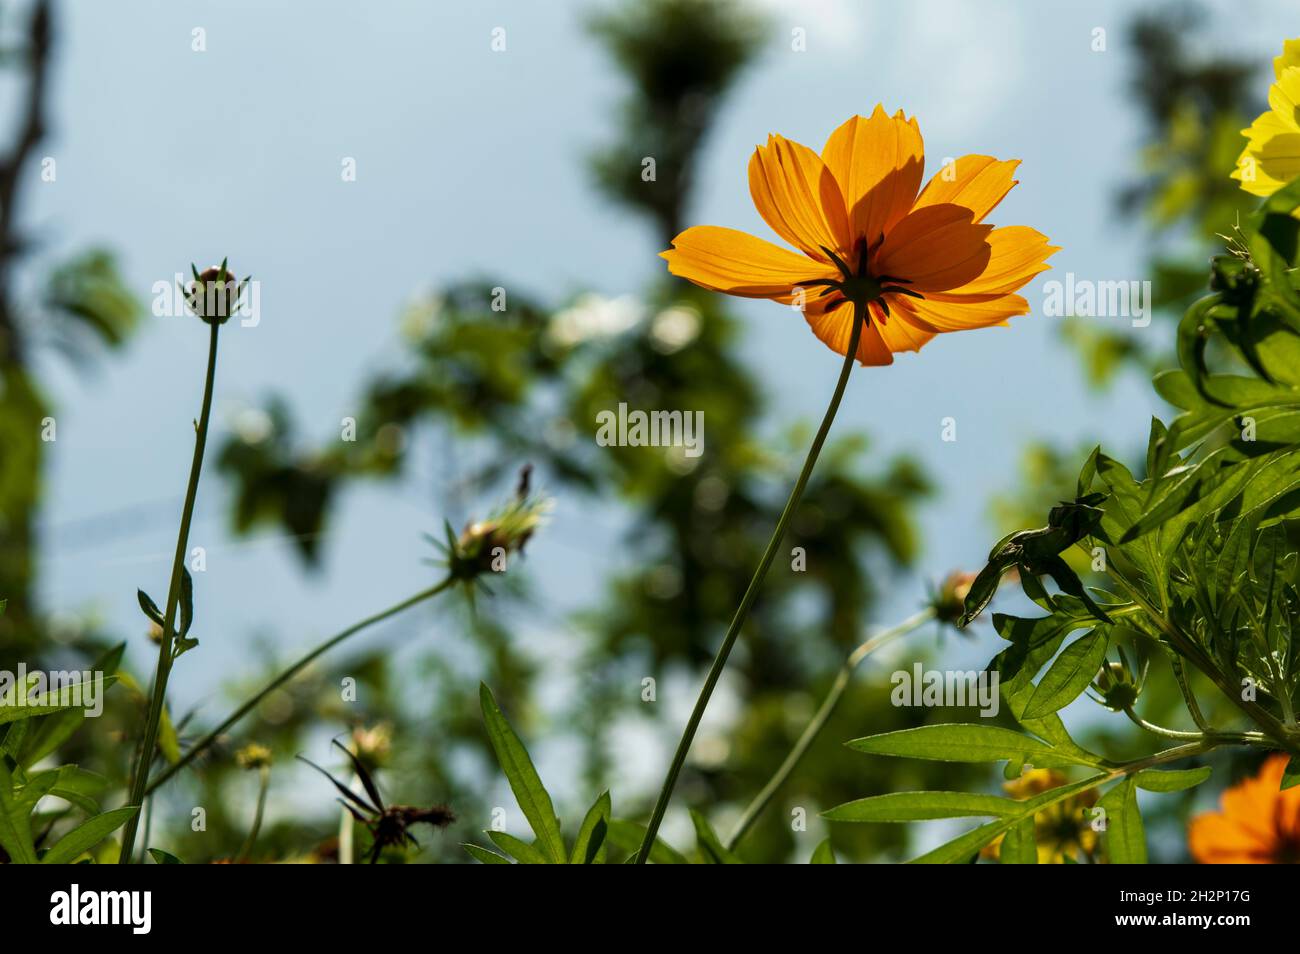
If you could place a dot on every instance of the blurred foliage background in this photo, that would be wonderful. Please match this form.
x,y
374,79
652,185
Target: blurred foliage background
x,y
510,387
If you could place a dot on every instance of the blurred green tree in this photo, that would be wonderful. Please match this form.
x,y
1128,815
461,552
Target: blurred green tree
x,y
80,305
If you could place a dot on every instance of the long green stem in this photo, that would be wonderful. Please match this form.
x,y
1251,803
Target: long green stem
x,y
144,758
751,593
198,748
818,721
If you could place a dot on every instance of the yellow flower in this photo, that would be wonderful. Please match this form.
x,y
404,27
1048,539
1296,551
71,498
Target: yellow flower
x,y
253,756
1271,158
923,264
1259,824
1060,830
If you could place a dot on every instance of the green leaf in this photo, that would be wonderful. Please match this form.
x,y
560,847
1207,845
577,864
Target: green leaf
x,y
1020,844
49,703
164,858
1125,840
187,601
168,742
1158,780
15,829
626,836
37,787
49,733
150,608
920,806
823,854
711,847
524,780
1071,673
1291,774
965,847
957,742
519,849
87,835
485,856
589,848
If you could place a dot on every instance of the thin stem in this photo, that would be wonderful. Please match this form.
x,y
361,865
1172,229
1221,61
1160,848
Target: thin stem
x,y
751,593
818,721
264,783
144,758
345,829
1189,697
1160,730
250,704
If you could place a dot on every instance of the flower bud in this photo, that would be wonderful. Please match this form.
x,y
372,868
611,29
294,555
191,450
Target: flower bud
x,y
214,294
950,601
1118,686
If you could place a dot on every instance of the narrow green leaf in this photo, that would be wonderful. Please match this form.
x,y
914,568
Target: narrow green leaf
x,y
1159,780
519,849
1020,844
168,741
965,847
823,854
1069,675
626,836
15,828
524,780
921,806
66,697
149,607
164,858
1291,774
1125,840
956,743
187,601
589,848
87,835
485,856
711,847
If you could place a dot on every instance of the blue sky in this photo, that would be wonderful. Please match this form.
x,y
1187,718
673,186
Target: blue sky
x,y
471,162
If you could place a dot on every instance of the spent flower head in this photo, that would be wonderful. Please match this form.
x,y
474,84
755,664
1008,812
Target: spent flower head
x,y
484,546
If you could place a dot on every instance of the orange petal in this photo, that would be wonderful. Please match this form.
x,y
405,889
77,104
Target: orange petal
x,y
1017,254
977,183
738,263
942,312
798,197
834,328
899,334
935,248
878,163
1216,839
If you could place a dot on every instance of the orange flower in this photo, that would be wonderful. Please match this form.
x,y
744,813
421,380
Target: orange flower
x,y
1259,824
923,264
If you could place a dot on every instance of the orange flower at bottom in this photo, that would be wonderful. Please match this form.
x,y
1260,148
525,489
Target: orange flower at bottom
x,y
1259,824
923,262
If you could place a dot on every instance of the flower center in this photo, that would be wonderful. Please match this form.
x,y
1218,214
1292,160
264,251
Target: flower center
x,y
858,285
